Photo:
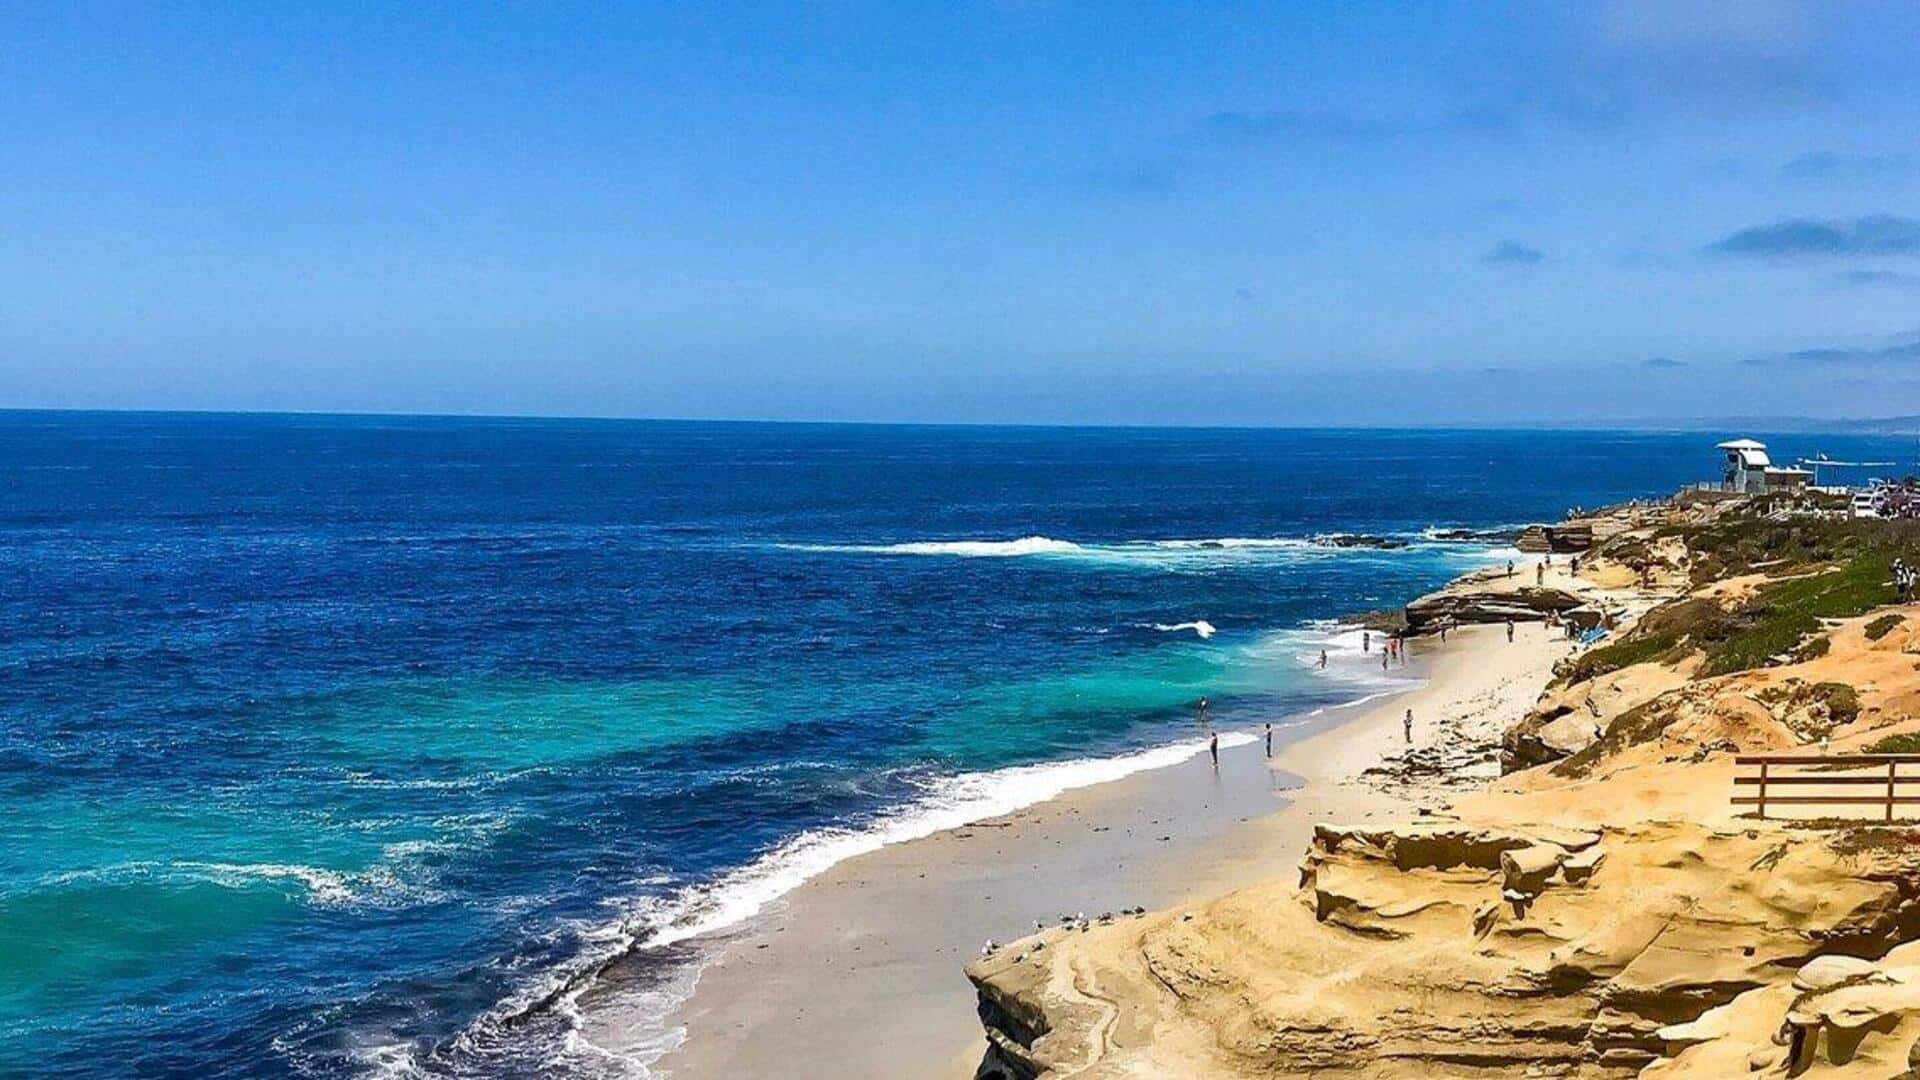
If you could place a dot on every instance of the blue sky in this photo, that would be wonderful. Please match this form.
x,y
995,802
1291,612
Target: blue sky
x,y
1023,211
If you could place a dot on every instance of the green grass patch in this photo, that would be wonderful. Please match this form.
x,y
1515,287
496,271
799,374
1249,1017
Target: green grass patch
x,y
1905,743
1747,544
1605,659
1782,615
1665,634
1811,649
1883,626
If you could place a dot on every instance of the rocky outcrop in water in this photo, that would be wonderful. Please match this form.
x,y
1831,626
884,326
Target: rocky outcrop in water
x,y
1359,540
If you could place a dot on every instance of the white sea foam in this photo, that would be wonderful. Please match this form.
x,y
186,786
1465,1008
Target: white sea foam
x,y
1168,554
973,549
1201,628
653,923
375,886
627,1030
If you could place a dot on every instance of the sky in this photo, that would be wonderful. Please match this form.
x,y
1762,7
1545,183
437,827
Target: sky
x,y
1023,212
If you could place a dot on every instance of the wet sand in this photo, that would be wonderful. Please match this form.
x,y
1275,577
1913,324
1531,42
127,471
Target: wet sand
x,y
858,972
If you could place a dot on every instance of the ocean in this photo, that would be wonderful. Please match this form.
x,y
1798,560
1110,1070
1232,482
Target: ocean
x,y
357,745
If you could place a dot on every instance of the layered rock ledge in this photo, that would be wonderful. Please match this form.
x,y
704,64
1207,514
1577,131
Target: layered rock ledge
x,y
1601,910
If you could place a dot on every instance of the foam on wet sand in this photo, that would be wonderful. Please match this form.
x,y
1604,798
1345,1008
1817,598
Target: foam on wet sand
x,y
857,973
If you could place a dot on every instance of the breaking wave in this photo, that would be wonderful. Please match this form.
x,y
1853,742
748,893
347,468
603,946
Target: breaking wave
x,y
655,923
972,549
1174,554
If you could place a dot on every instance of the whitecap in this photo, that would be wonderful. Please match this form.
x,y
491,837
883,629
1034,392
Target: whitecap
x,y
1164,554
972,549
1201,628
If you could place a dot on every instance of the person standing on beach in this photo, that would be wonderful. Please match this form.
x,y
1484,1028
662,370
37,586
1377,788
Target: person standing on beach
x,y
1323,659
1383,659
1213,747
1269,738
1408,724
1539,573
1509,567
1509,631
1366,641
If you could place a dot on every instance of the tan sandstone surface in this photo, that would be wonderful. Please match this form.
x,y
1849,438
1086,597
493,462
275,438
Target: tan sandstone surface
x,y
1602,911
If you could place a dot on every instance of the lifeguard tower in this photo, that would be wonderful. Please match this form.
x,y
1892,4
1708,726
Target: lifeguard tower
x,y
1750,472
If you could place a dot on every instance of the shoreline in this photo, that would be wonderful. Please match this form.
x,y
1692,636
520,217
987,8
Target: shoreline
x,y
891,929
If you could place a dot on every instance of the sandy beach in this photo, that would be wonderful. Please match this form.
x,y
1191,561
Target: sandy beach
x,y
858,973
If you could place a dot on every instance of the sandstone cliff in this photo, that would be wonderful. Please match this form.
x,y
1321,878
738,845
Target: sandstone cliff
x,y
1601,911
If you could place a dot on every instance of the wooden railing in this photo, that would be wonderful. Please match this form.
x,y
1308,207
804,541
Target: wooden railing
x,y
1798,773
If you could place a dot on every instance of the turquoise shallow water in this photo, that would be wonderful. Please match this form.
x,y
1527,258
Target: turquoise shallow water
x,y
339,745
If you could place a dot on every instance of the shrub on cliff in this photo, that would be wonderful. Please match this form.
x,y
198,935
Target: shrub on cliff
x,y
1883,626
1665,634
1782,615
1907,742
1745,545
1841,700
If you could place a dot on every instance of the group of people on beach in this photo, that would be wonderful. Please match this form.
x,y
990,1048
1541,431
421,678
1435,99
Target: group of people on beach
x,y
1392,647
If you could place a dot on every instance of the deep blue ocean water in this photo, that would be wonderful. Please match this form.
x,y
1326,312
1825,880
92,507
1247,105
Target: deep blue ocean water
x,y
332,745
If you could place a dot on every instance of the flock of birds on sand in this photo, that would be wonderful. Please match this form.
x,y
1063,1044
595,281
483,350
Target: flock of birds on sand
x,y
1077,921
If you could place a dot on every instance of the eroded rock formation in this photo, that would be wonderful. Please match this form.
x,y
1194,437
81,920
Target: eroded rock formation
x,y
1410,950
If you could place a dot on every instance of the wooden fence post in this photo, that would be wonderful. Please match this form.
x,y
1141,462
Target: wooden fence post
x,y
1762,807
1891,766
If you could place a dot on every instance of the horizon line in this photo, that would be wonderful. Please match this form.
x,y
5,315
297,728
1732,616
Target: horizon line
x,y
1649,424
